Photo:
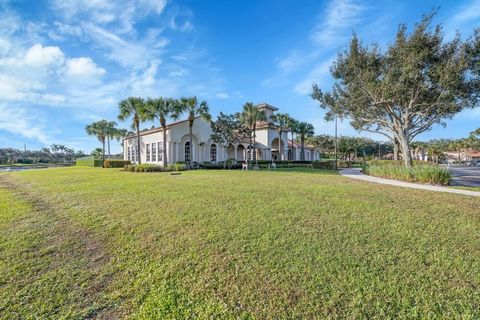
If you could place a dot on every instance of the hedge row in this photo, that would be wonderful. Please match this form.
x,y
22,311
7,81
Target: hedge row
x,y
89,161
278,162
116,163
219,165
330,164
147,167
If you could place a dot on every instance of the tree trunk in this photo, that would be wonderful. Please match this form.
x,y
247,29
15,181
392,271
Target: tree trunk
x,y
405,148
395,149
191,143
108,141
164,128
139,160
254,144
302,147
103,153
249,153
225,162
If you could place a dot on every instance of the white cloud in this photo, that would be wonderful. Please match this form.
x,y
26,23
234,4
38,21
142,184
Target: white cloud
x,y
468,12
83,67
291,62
341,15
123,15
20,121
35,77
42,75
222,95
320,75
39,56
132,54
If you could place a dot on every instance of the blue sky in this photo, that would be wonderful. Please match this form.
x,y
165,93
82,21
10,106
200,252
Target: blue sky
x,y
64,64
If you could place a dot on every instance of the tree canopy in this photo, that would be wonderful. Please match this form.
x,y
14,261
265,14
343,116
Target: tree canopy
x,y
419,81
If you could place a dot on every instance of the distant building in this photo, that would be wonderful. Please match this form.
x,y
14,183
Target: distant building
x,y
475,155
268,146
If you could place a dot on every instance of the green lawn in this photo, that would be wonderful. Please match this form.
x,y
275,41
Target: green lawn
x,y
466,188
101,243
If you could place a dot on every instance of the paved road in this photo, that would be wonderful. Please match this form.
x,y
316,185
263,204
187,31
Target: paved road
x,y
465,176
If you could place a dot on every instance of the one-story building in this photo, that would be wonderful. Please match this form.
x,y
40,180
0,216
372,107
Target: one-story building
x,y
204,149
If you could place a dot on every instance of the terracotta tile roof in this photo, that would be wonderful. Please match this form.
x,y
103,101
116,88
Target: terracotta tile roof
x,y
264,105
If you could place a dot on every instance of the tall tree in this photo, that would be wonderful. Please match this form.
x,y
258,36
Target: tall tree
x,y
305,129
162,109
228,130
250,116
99,129
133,107
293,127
194,109
419,81
280,121
322,143
111,133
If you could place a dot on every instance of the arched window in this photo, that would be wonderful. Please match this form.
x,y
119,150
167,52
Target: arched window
x,y
213,152
187,151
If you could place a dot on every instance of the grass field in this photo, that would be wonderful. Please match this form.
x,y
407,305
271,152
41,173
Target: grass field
x,y
101,243
466,188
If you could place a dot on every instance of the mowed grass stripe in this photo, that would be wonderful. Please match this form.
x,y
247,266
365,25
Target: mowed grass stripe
x,y
268,245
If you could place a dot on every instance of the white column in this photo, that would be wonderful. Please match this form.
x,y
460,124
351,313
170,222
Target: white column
x,y
176,151
235,155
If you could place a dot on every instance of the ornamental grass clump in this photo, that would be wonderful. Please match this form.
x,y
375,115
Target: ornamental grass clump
x,y
421,173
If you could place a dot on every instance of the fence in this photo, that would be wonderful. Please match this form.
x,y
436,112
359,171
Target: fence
x,y
90,161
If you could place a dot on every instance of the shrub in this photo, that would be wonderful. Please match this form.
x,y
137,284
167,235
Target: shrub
x,y
399,163
179,166
422,173
144,167
89,161
148,167
116,163
330,164
267,162
287,165
220,165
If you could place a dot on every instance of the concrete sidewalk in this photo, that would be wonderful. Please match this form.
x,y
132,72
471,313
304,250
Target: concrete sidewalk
x,y
355,173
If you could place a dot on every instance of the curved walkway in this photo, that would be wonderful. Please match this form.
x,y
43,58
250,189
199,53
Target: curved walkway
x,y
355,173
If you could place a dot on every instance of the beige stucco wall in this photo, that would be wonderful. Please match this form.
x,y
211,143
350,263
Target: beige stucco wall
x,y
178,135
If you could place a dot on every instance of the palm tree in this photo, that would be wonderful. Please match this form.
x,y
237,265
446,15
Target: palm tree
x,y
163,108
293,127
281,121
133,107
249,117
100,130
305,129
111,134
194,110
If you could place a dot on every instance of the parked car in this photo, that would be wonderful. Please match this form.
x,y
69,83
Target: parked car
x,y
475,163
